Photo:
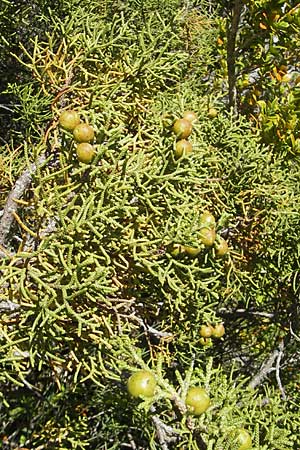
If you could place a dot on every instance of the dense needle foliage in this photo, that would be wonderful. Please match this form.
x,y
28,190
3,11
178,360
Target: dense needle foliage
x,y
96,281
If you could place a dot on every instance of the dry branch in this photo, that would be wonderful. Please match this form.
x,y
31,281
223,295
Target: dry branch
x,y
11,206
165,433
8,306
268,367
232,30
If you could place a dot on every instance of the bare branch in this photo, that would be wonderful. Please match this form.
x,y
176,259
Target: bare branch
x,y
268,367
165,433
11,206
150,330
293,333
232,31
280,355
8,306
265,369
246,312
131,442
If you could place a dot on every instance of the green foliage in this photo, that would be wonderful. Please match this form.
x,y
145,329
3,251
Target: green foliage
x,y
266,68
257,61
98,290
22,22
59,417
113,229
115,223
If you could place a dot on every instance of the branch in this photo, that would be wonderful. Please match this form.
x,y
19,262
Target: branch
x,y
293,333
246,312
8,306
280,355
268,366
232,30
11,206
131,442
153,331
165,433
265,369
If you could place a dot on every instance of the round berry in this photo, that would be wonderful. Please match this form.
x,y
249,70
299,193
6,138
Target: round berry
x,y
197,400
182,128
141,383
183,147
83,133
85,152
68,120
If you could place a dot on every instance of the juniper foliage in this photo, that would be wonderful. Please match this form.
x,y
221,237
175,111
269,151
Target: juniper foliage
x,y
89,263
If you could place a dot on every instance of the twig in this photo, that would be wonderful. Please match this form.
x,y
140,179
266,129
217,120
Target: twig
x,y
293,333
280,355
265,369
268,366
33,389
9,212
245,312
165,433
232,30
8,306
8,109
160,433
150,330
131,442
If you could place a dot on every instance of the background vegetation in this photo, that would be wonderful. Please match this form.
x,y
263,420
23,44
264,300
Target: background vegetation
x,y
93,287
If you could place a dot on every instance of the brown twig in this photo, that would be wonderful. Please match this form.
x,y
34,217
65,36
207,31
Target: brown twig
x,y
232,30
